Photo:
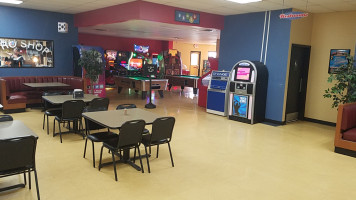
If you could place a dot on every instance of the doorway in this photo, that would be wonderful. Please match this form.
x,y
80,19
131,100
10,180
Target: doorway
x,y
195,63
297,84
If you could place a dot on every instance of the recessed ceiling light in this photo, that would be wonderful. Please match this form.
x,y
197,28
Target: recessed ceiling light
x,y
244,1
11,1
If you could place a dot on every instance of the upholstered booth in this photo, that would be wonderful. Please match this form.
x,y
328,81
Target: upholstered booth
x,y
345,135
14,95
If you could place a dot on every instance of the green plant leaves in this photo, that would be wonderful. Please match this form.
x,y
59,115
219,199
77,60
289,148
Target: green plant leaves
x,y
344,89
91,60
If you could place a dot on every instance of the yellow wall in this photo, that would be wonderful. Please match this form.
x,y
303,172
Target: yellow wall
x,y
330,31
186,48
301,32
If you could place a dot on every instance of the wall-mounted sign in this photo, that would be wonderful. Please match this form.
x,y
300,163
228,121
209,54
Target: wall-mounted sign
x,y
293,15
338,58
187,17
26,53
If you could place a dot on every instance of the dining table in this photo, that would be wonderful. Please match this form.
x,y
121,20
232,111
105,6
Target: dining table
x,y
12,130
114,119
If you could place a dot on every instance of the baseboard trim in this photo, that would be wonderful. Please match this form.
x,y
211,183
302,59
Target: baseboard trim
x,y
275,122
319,121
345,152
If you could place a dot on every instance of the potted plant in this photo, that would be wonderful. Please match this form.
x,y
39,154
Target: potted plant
x,y
91,60
344,89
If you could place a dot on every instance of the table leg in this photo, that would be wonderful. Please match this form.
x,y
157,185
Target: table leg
x,y
144,93
160,93
195,90
119,89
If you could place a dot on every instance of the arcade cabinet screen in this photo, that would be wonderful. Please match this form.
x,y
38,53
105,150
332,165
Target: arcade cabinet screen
x,y
111,54
136,63
141,49
242,74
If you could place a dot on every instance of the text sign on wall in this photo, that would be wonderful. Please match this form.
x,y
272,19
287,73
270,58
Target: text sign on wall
x,y
187,17
26,53
293,15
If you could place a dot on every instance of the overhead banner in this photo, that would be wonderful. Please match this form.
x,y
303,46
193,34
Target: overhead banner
x,y
187,17
17,53
293,15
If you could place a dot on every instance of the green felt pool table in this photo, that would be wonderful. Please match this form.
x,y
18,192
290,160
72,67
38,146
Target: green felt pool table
x,y
140,84
183,80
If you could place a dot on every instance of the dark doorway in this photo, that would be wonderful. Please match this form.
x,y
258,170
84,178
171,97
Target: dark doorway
x,y
297,84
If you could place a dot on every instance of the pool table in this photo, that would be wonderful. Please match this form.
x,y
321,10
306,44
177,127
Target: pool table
x,y
183,80
140,84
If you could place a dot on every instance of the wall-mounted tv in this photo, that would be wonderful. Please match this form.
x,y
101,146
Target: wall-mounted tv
x,y
141,49
135,63
243,74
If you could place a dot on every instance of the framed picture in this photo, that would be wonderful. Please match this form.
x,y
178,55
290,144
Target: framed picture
x,y
25,53
338,58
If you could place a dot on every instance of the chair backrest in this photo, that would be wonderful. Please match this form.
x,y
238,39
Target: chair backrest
x,y
72,109
127,106
90,125
162,128
100,103
48,105
131,133
17,154
5,118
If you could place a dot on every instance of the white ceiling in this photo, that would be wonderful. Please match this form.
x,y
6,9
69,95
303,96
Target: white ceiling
x,y
161,31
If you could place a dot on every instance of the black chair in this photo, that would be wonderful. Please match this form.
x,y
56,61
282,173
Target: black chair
x,y
162,129
99,103
17,156
129,106
98,136
50,109
130,137
71,112
5,118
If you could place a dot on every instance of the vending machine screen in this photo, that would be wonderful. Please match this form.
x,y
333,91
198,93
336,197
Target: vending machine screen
x,y
243,74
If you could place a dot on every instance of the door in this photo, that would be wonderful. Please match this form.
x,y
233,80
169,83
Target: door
x,y
297,84
195,63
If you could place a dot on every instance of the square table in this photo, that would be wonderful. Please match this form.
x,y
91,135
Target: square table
x,y
46,85
11,130
60,99
114,119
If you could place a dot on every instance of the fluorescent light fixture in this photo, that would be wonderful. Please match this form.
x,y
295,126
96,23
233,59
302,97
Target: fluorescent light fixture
x,y
244,1
11,1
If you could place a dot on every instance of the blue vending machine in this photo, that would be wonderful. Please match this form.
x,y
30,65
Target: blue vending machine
x,y
217,93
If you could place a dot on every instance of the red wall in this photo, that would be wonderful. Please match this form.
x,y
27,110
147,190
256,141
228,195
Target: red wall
x,y
123,44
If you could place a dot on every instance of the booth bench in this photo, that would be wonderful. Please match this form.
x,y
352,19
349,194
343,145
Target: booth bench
x,y
15,96
345,134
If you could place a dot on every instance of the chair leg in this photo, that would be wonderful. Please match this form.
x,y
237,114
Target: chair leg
x,y
54,127
92,143
60,131
139,154
44,117
85,147
37,188
170,153
29,179
157,150
150,149
47,126
148,162
101,155
24,177
114,163
134,158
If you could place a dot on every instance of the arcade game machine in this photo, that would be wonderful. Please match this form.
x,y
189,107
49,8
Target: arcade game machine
x,y
99,86
247,92
203,81
217,93
172,62
122,61
110,68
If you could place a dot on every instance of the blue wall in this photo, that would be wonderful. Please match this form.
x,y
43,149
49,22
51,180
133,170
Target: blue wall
x,y
241,39
34,24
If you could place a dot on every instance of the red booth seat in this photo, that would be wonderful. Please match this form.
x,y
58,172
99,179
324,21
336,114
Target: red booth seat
x,y
345,134
15,95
